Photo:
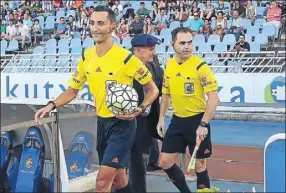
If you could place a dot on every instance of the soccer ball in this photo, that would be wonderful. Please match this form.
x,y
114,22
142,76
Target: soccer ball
x,y
121,99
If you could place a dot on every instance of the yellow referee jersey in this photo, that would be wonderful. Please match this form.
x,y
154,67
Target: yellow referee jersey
x,y
187,84
117,65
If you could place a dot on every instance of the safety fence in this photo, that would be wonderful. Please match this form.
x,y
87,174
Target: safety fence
x,y
220,62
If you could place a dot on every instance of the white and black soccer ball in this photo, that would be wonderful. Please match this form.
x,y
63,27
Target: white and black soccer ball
x,y
121,99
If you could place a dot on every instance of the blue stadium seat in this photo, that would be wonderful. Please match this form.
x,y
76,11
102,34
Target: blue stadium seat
x,y
63,43
13,46
31,162
229,39
75,42
174,24
261,39
260,11
79,157
87,43
165,33
38,50
213,39
60,14
254,47
201,5
76,34
204,47
199,39
248,38
252,30
51,43
5,147
259,22
161,48
89,4
76,50
4,45
220,47
49,24
63,60
246,23
268,30
71,12
126,42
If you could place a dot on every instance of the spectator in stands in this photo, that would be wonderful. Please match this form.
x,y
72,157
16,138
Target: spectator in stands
x,y
236,24
68,32
161,21
6,17
11,17
237,6
16,16
122,29
195,24
181,12
136,27
274,17
10,31
194,9
155,11
23,33
206,30
83,19
27,21
72,21
84,32
36,6
208,11
61,28
142,11
148,27
220,25
240,46
118,6
36,29
161,4
130,18
222,8
250,11
267,5
117,14
47,8
170,10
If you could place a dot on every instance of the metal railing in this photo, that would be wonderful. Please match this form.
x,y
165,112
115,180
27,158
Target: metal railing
x,y
220,62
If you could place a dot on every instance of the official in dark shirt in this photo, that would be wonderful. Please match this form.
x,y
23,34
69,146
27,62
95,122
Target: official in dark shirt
x,y
143,47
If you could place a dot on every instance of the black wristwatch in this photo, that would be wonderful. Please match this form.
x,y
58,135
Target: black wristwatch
x,y
54,104
142,107
204,124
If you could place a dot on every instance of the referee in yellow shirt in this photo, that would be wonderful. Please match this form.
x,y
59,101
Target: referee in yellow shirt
x,y
100,65
187,80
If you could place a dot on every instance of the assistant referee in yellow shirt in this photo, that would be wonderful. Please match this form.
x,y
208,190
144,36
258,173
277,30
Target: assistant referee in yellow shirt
x,y
101,65
187,81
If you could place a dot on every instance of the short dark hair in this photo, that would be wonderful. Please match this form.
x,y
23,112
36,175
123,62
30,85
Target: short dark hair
x,y
110,14
20,21
180,30
242,35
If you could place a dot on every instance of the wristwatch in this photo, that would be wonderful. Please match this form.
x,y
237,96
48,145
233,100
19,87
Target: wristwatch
x,y
142,107
54,104
204,124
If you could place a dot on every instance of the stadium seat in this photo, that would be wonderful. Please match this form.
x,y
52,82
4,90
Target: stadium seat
x,y
75,42
51,43
76,34
5,147
88,4
204,47
259,22
63,43
87,43
49,24
199,39
252,30
31,162
39,50
126,42
201,5
248,38
14,164
260,11
4,45
78,158
174,24
254,47
71,12
261,39
161,48
246,23
215,4
213,39
76,50
220,47
13,46
229,39
268,30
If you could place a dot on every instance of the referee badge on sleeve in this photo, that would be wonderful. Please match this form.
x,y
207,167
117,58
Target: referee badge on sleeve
x,y
189,88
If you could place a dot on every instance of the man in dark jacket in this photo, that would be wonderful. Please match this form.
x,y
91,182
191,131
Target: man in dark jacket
x,y
143,47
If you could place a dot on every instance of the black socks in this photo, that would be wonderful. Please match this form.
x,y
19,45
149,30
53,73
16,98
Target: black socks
x,y
203,180
178,178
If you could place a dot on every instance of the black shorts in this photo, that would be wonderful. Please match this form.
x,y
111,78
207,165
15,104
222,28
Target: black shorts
x,y
182,133
115,139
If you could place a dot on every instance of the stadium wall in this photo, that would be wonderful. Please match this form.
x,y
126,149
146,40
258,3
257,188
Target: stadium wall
x,y
261,95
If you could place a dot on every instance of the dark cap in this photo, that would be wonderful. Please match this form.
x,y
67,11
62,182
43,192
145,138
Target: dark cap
x,y
144,40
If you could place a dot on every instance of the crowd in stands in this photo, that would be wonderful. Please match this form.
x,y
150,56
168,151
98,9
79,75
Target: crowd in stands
x,y
27,21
